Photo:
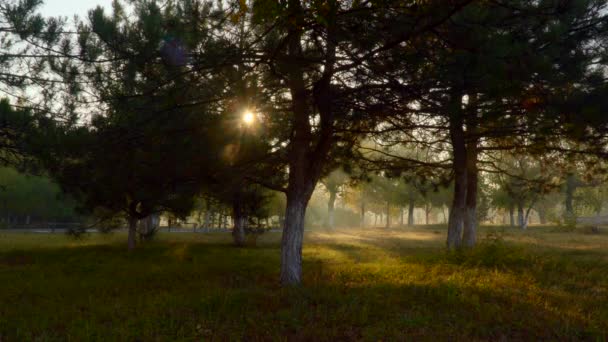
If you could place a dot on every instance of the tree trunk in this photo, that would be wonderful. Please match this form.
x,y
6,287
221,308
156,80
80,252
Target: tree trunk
x,y
410,214
512,215
388,214
291,243
401,214
330,209
307,154
362,222
526,218
469,234
238,229
427,212
132,233
569,201
520,216
457,214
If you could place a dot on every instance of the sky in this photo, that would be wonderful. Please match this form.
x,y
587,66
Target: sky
x,y
67,8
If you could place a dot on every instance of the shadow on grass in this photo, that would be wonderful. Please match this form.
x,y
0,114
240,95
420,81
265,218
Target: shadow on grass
x,y
373,290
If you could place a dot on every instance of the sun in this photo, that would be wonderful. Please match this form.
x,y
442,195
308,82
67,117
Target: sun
x,y
248,118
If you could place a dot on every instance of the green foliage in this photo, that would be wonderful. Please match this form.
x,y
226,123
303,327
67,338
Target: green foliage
x,y
36,196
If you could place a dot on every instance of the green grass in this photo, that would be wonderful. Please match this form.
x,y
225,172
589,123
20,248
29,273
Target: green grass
x,y
372,284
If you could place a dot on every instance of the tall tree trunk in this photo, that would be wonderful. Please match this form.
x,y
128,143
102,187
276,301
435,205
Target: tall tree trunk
x,y
330,209
512,215
131,240
457,214
291,243
410,213
401,214
307,154
469,234
238,229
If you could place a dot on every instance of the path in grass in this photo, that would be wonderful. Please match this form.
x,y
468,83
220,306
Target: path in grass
x,y
366,284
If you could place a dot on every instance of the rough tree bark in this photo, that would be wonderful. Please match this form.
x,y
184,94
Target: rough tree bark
x,y
291,243
457,137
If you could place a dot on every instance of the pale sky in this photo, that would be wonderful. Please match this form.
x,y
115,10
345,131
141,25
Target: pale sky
x,y
67,8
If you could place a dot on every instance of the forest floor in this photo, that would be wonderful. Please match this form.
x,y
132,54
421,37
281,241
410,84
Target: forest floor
x,y
359,284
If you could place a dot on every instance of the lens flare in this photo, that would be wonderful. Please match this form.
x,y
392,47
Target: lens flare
x,y
248,118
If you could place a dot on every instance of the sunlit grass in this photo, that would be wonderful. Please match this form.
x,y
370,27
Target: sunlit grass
x,y
366,284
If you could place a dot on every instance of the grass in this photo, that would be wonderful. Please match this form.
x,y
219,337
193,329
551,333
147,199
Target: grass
x,y
372,284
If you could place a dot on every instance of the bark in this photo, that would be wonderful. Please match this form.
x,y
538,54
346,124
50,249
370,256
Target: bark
x,y
291,243
469,234
512,216
457,214
307,153
330,209
132,233
238,229
410,214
